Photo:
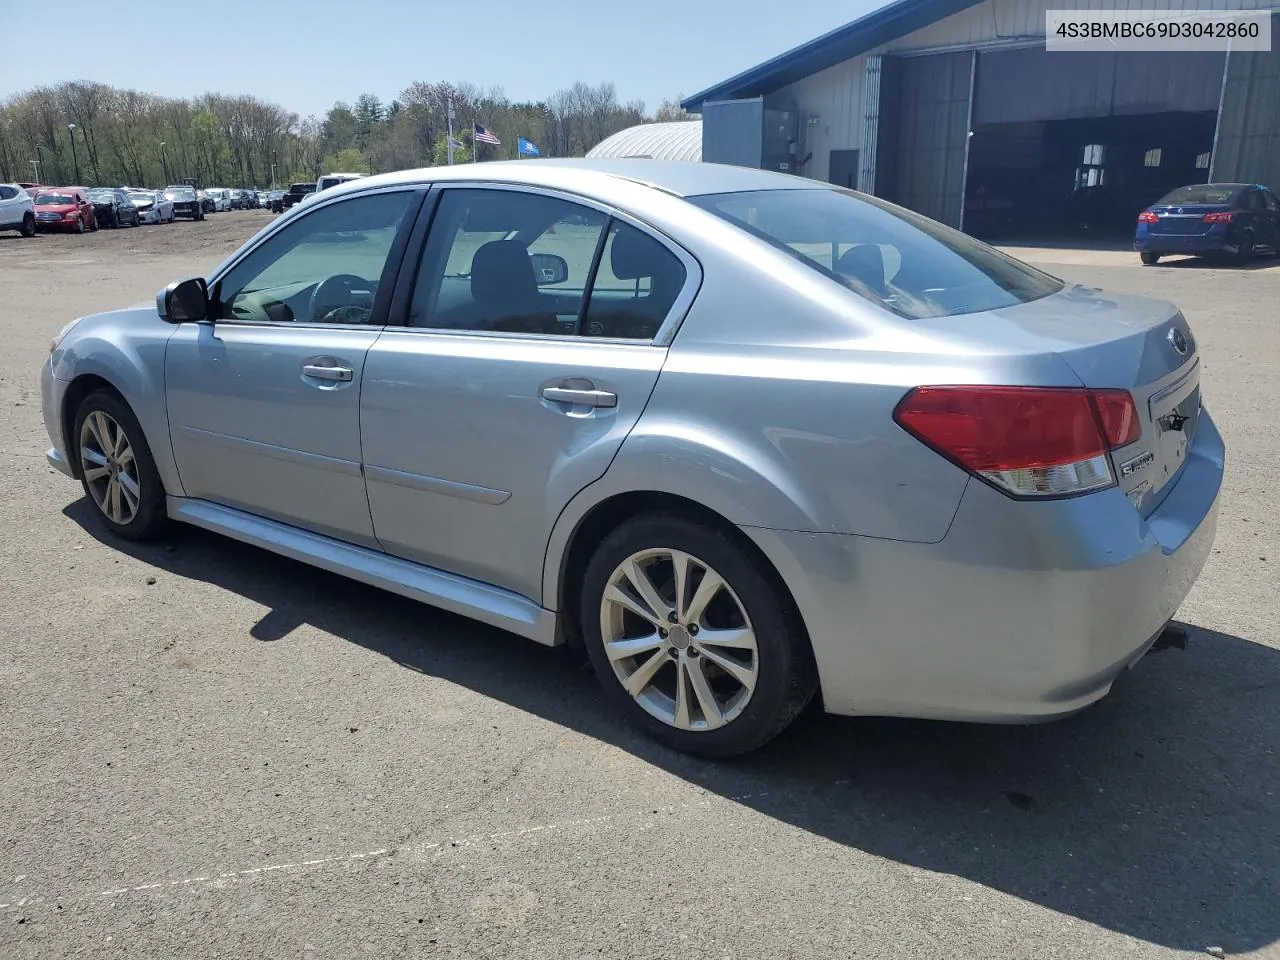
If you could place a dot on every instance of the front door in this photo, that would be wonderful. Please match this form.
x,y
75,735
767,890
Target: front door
x,y
264,402
508,388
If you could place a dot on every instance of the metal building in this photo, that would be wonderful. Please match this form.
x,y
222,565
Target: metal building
x,y
955,109
679,140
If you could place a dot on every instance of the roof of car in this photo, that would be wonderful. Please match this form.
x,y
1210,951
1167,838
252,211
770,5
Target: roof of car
x,y
681,178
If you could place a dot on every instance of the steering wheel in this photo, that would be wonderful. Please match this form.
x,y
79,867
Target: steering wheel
x,y
344,290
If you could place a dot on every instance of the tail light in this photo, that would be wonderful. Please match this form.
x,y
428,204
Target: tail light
x,y
1224,217
1146,216
1026,441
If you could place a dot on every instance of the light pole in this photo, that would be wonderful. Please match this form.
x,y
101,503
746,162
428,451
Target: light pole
x,y
164,159
71,135
35,167
273,176
40,154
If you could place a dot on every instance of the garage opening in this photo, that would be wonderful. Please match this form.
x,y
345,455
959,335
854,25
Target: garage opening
x,y
1074,145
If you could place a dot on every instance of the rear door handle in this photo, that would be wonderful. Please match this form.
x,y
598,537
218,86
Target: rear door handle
x,y
317,372
591,398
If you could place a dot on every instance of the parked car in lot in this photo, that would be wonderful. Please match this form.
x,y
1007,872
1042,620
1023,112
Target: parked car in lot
x,y
113,207
239,199
153,206
295,194
185,202
17,212
1236,220
743,436
219,199
64,208
333,179
275,201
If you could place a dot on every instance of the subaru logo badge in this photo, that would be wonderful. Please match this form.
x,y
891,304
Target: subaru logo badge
x,y
1179,341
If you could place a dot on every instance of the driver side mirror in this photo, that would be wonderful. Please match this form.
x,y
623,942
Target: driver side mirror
x,y
184,301
549,269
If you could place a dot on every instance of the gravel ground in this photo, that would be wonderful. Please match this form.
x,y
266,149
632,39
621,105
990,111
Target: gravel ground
x,y
212,752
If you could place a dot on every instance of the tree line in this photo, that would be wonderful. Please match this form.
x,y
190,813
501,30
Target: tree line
x,y
90,133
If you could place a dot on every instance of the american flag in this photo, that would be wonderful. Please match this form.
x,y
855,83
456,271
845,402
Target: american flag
x,y
482,135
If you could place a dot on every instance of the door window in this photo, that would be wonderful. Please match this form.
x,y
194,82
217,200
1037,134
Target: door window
x,y
506,261
325,267
636,284
1254,202
1273,205
7,193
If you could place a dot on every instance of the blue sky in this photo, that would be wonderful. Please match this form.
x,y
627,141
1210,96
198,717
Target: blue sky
x,y
305,54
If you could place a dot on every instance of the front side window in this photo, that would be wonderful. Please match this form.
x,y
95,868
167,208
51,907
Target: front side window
x,y
506,261
325,267
900,260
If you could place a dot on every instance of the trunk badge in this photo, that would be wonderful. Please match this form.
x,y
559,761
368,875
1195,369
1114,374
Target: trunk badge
x,y
1179,341
1140,462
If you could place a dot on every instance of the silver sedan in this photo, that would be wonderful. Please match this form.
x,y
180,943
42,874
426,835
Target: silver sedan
x,y
745,438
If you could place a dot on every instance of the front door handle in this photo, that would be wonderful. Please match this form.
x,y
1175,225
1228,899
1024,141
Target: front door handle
x,y
317,372
591,398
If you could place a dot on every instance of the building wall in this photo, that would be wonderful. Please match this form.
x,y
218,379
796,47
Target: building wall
x,y
831,105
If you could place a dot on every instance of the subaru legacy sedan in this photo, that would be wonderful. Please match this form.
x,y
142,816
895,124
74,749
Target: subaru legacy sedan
x,y
746,438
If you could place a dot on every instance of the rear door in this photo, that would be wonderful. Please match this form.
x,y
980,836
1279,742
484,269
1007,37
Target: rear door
x,y
1271,219
528,348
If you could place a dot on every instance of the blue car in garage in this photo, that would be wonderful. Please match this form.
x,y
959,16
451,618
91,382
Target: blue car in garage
x,y
1236,220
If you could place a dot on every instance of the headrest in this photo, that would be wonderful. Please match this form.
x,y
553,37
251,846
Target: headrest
x,y
634,254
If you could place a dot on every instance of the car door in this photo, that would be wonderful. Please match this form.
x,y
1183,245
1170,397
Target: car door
x,y
264,400
10,207
488,405
1272,219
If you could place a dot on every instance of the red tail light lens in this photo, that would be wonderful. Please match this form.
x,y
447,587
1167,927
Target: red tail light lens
x,y
1029,441
1224,217
1146,216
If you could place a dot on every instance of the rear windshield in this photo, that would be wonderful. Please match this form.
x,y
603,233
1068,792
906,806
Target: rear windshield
x,y
901,260
1204,193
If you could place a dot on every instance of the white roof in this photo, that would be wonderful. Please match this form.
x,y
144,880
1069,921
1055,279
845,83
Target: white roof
x,y
679,140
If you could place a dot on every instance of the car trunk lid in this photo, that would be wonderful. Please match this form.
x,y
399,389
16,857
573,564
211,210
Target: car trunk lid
x,y
1184,219
1113,341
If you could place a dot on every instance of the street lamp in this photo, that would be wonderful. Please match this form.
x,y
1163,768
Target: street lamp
x,y
35,167
164,159
71,135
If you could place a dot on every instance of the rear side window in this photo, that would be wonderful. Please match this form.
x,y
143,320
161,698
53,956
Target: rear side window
x,y
7,193
637,282
900,260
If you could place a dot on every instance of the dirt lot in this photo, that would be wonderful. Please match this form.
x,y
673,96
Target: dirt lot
x,y
212,752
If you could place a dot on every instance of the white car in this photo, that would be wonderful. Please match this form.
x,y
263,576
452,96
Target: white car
x,y
17,212
221,198
152,207
333,179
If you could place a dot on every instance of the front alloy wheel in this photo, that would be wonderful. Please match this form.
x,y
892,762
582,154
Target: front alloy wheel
x,y
679,639
110,467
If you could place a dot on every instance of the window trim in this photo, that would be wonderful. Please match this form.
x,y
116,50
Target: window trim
x,y
667,329
395,260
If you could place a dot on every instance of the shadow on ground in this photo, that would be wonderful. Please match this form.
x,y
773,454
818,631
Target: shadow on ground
x,y
1154,814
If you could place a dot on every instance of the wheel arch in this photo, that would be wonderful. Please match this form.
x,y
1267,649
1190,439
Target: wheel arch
x,y
563,573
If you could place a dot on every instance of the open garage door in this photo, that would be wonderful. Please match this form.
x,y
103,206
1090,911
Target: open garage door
x,y
924,132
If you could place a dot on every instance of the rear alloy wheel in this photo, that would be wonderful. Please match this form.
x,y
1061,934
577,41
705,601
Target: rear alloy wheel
x,y
1244,250
117,471
692,638
1150,259
28,225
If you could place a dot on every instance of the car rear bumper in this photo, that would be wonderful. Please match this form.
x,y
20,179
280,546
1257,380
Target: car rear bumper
x,y
1024,611
1218,241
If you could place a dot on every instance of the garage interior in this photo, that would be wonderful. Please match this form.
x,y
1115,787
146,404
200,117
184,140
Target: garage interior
x,y
1063,145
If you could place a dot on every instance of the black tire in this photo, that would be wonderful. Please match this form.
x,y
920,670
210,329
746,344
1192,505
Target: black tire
x,y
1150,259
28,225
80,225
149,519
1244,250
786,677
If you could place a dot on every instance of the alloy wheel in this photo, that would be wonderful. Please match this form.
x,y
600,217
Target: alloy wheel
x,y
110,467
679,639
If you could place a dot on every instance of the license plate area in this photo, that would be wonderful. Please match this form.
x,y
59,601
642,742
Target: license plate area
x,y
1174,412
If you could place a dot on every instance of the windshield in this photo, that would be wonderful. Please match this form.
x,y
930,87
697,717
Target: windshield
x,y
54,200
138,196
102,195
1202,193
898,259
180,193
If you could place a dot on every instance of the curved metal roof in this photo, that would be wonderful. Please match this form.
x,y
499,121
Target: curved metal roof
x,y
679,140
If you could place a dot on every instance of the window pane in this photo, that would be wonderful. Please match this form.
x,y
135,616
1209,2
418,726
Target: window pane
x,y
900,260
637,283
506,261
324,267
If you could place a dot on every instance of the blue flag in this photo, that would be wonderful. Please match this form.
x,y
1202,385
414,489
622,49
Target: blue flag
x,y
527,148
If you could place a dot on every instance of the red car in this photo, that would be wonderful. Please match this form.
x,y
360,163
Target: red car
x,y
64,208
